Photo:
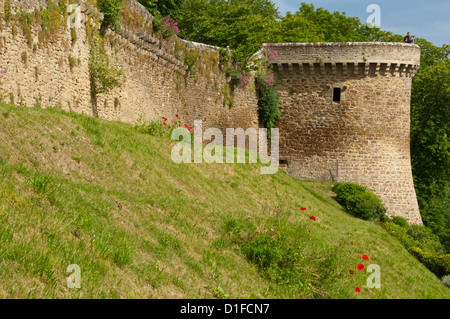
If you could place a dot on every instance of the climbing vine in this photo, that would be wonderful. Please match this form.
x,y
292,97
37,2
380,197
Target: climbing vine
x,y
268,99
104,73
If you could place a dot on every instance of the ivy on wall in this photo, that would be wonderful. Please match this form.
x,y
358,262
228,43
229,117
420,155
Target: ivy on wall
x,y
268,100
104,73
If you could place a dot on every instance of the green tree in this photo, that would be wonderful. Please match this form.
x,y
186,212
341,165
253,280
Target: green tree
x,y
333,27
297,28
111,11
430,129
240,24
164,7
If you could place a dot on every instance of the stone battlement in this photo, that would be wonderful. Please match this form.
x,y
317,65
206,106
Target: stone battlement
x,y
353,58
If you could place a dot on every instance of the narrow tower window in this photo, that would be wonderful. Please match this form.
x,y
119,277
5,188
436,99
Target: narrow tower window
x,y
337,95
283,163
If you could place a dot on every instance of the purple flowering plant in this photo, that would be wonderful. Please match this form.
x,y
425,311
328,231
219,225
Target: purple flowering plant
x,y
264,72
170,27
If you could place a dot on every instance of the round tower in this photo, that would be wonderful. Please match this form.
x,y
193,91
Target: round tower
x,y
345,116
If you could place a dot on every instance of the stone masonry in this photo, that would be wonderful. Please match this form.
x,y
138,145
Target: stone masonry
x,y
345,116
157,81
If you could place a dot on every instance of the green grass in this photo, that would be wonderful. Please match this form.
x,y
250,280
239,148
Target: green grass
x,y
99,194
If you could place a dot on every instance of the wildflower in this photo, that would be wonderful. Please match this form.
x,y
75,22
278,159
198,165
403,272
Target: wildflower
x,y
176,115
312,218
360,267
170,25
351,272
365,257
358,290
303,208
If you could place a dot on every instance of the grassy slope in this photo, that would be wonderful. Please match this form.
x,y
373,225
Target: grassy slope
x,y
77,190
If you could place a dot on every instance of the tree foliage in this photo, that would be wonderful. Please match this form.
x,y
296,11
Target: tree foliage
x,y
164,7
240,24
111,11
430,130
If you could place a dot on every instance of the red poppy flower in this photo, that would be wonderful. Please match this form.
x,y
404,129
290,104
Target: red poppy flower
x,y
313,218
351,272
303,208
365,257
358,290
164,123
360,267
176,115
170,127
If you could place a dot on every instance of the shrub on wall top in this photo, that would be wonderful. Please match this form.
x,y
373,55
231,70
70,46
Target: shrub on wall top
x,y
111,12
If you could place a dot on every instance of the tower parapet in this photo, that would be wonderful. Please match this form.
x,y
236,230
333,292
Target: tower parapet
x,y
345,116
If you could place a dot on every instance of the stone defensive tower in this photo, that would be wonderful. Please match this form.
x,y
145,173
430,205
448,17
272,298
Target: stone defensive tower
x,y
345,116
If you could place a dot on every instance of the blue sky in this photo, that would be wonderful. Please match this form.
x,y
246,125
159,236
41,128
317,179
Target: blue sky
x,y
428,19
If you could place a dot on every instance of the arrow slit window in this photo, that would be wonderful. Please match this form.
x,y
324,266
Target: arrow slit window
x,y
337,95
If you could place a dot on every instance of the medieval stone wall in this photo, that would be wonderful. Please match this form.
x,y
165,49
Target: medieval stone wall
x,y
364,137
56,74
